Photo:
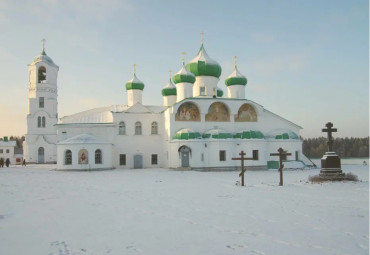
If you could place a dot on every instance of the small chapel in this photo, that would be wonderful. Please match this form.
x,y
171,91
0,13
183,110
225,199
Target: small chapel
x,y
197,127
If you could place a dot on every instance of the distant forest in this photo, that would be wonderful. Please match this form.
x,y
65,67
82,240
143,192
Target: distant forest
x,y
312,147
344,147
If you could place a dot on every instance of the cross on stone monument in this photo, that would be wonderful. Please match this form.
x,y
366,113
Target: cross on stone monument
x,y
329,130
281,166
242,154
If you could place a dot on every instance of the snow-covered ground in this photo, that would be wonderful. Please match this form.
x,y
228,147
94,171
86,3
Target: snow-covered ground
x,y
156,211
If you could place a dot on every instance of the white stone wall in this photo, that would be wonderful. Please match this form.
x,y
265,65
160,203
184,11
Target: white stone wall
x,y
210,84
184,90
169,100
134,96
236,91
91,148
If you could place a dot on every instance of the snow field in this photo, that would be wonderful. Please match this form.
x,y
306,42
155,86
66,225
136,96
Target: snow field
x,y
157,211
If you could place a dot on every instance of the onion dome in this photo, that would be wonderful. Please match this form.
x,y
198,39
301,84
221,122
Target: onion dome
x,y
236,78
203,65
134,83
220,92
44,58
169,89
187,134
183,76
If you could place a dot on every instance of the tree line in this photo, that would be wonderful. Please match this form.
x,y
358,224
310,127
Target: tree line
x,y
344,147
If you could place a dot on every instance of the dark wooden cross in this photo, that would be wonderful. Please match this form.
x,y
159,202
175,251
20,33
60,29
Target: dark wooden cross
x,y
281,154
242,154
329,130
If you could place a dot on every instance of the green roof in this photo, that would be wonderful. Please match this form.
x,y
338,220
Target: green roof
x,y
220,93
187,135
169,92
236,78
249,135
286,136
183,76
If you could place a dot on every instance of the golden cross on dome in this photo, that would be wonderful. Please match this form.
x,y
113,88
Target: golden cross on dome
x,y
170,72
134,68
43,44
235,61
183,56
201,37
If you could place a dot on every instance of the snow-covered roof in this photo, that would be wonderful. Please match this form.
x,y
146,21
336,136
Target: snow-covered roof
x,y
96,115
8,144
82,139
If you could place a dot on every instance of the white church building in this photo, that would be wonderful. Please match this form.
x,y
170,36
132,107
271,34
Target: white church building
x,y
197,127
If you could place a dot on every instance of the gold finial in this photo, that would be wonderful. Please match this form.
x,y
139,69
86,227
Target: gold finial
x,y
235,61
170,72
201,37
43,44
183,57
134,68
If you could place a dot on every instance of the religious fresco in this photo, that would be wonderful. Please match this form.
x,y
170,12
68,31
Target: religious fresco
x,y
188,112
246,113
83,157
218,112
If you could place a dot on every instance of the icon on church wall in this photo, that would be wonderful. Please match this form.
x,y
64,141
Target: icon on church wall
x,y
188,112
246,113
218,112
83,157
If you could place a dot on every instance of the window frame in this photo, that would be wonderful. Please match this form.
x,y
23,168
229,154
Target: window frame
x,y
154,160
222,155
98,157
138,128
41,102
255,154
122,159
68,161
154,128
202,91
122,128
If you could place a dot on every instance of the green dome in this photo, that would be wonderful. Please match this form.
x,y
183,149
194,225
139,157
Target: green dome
x,y
220,93
236,78
203,65
169,89
134,83
184,76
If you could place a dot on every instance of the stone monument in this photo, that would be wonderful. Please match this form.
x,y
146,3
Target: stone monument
x,y
330,162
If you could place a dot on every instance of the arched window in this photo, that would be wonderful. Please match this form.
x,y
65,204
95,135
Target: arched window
x,y
68,157
154,128
122,128
246,113
42,74
38,121
138,128
98,157
43,122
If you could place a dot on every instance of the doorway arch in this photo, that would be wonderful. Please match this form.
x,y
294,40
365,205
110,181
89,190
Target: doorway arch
x,y
41,155
138,161
185,153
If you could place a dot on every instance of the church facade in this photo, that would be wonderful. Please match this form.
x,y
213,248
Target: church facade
x,y
195,128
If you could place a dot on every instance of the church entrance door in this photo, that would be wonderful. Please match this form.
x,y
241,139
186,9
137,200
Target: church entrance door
x,y
138,161
41,155
185,153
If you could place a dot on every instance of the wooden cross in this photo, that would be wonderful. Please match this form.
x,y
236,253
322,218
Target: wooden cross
x,y
329,130
281,166
242,154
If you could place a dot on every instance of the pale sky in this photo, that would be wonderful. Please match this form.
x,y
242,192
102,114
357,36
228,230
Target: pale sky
x,y
307,61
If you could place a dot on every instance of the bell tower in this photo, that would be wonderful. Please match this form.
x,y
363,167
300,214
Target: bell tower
x,y
42,110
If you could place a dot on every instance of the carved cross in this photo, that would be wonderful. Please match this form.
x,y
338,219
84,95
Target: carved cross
x,y
281,166
329,130
242,154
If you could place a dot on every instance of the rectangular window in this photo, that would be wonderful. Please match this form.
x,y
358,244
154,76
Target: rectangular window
x,y
154,159
296,155
7,151
122,159
202,157
1,151
222,155
202,91
41,102
255,154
